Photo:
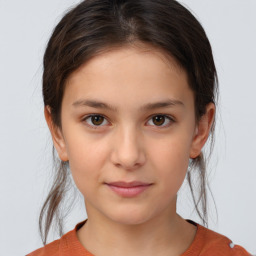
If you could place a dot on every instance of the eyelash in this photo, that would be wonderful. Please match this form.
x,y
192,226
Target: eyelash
x,y
171,120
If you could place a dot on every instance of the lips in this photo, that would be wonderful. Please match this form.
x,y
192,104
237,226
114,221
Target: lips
x,y
128,189
128,184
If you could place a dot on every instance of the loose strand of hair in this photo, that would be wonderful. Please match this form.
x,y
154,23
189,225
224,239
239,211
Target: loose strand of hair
x,y
50,208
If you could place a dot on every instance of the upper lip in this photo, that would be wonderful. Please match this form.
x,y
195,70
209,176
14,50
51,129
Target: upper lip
x,y
128,184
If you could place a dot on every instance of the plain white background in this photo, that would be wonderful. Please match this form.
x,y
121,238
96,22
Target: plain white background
x,y
25,145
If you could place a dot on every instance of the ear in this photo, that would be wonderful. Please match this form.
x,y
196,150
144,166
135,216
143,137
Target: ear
x,y
202,131
57,137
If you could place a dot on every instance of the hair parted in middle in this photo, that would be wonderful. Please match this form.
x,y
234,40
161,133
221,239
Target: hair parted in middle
x,y
97,26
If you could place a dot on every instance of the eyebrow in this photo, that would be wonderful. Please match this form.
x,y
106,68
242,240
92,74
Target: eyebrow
x,y
149,106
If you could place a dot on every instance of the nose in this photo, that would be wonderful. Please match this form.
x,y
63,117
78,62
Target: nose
x,y
128,152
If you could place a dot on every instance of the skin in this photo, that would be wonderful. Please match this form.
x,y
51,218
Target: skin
x,y
129,144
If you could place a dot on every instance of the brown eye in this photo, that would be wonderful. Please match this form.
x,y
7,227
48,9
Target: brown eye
x,y
97,120
159,120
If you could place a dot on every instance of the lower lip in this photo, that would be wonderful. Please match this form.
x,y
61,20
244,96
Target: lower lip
x,y
129,192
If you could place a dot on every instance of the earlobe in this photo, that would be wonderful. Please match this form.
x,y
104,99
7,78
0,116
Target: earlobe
x,y
57,137
202,131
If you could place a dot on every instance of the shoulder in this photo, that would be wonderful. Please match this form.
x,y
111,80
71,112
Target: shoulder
x,y
57,247
216,242
67,245
62,246
212,243
49,249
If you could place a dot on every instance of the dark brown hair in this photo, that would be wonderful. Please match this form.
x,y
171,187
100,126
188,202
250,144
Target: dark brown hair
x,y
95,26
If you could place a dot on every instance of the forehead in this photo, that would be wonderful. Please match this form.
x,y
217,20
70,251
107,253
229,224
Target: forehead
x,y
129,74
136,53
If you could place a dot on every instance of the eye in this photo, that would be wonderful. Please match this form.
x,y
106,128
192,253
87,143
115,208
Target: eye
x,y
95,120
159,120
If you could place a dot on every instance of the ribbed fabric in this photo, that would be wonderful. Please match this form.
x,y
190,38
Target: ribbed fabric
x,y
210,243
206,243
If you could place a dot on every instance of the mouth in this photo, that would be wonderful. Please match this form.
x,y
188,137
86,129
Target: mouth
x,y
128,189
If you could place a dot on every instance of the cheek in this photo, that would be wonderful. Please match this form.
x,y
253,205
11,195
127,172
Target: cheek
x,y
171,160
85,160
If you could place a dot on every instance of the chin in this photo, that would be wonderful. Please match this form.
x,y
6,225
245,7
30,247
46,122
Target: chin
x,y
130,217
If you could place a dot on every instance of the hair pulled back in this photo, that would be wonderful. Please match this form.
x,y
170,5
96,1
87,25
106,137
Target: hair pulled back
x,y
95,26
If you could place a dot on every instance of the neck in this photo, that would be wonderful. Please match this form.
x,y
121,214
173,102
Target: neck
x,y
166,235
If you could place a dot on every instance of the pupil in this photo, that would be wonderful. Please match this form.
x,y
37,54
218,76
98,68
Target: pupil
x,y
159,119
97,120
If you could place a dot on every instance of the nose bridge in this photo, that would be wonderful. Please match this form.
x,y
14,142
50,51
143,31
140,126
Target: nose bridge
x,y
128,149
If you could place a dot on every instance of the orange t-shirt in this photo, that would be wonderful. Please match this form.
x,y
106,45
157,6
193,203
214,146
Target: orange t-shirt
x,y
206,243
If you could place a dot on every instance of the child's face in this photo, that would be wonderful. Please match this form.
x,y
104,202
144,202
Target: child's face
x,y
128,144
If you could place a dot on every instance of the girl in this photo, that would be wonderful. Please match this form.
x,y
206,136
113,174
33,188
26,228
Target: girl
x,y
130,93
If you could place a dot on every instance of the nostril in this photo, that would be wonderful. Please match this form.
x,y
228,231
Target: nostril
x,y
128,167
127,153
